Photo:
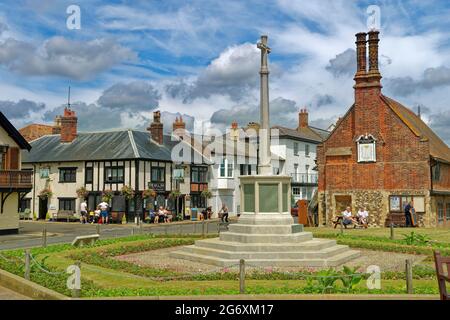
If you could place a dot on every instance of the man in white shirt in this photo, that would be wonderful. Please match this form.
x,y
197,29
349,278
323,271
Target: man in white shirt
x,y
347,217
83,212
104,212
362,216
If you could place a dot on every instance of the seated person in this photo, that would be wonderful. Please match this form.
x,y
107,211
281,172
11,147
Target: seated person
x,y
152,216
167,216
204,215
363,216
209,212
347,218
159,216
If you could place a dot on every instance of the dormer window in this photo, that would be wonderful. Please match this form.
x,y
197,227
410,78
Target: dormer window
x,y
366,148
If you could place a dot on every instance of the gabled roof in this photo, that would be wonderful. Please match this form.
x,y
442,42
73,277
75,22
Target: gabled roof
x,y
107,145
13,133
438,148
309,134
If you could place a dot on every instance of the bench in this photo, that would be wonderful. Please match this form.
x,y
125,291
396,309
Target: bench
x,y
441,276
63,214
25,215
85,240
355,225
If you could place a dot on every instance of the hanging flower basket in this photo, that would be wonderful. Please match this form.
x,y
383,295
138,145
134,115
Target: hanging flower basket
x,y
175,194
46,193
107,195
82,193
206,194
148,193
127,192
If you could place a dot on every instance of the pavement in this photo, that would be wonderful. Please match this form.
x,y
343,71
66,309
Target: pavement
x,y
30,232
7,294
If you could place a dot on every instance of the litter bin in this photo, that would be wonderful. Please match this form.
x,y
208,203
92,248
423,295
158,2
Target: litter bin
x,y
194,214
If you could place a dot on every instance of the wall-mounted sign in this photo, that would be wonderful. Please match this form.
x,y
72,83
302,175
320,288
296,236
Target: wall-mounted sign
x,y
157,186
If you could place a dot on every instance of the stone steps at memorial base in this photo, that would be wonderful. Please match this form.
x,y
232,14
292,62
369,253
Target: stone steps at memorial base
x,y
265,229
266,238
249,255
310,245
333,261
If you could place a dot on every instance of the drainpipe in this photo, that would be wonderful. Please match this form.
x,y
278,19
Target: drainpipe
x,y
34,188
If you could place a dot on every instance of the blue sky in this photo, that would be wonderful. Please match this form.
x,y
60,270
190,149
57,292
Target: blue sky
x,y
199,58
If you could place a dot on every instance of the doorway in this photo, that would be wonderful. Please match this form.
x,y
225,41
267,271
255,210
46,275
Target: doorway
x,y
341,203
43,208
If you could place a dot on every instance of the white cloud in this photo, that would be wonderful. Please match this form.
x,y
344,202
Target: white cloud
x,y
59,56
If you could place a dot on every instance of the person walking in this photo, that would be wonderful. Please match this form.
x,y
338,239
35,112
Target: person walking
x,y
83,212
104,212
224,212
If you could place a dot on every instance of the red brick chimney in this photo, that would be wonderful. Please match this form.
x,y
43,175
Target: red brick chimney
x,y
303,118
179,124
156,128
367,82
68,125
367,85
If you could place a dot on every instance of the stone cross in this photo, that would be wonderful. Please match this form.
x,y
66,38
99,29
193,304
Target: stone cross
x,y
265,167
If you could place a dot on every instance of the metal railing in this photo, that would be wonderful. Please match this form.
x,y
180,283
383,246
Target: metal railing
x,y
312,178
15,179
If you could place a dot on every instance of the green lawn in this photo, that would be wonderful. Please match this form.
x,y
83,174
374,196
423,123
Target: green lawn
x,y
436,234
104,276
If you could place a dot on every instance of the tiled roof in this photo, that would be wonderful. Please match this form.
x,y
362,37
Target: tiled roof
x,y
438,148
13,132
307,134
120,145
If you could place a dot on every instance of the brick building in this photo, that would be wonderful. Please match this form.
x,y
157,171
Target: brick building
x,y
381,155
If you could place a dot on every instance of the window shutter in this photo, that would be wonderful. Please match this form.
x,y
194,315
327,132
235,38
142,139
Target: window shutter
x,y
12,158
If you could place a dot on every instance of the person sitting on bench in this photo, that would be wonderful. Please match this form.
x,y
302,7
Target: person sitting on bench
x,y
363,216
347,217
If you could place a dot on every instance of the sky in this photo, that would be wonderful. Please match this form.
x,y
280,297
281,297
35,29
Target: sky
x,y
199,59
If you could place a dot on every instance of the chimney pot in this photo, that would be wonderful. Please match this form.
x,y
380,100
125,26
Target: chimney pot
x,y
156,128
179,126
303,118
68,125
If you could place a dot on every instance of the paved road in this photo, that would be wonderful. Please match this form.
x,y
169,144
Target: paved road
x,y
6,294
30,233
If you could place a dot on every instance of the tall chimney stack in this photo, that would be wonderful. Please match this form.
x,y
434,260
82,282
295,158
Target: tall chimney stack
x,y
361,58
68,126
156,128
373,74
303,119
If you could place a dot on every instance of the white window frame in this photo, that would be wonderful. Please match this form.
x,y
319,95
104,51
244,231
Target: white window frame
x,y
227,170
307,150
370,143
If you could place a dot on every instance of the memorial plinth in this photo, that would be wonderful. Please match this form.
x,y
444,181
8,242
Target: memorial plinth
x,y
265,234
